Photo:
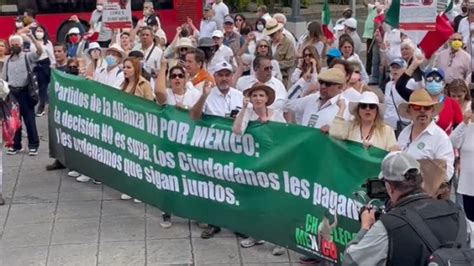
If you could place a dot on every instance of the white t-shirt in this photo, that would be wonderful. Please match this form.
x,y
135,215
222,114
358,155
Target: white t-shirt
x,y
221,11
463,139
432,143
207,28
222,105
311,112
281,95
189,98
250,115
153,60
391,116
113,78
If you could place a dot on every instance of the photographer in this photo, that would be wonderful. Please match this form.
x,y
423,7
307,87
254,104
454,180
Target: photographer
x,y
392,240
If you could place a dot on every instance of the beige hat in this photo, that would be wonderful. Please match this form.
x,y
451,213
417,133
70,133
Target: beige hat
x,y
333,75
268,90
272,26
116,47
419,97
184,43
366,97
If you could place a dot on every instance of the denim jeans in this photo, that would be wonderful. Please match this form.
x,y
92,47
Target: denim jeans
x,y
43,72
27,113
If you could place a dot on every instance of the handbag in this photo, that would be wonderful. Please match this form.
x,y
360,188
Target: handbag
x,y
32,84
11,122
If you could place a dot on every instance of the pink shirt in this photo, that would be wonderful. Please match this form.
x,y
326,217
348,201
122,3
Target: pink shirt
x,y
455,66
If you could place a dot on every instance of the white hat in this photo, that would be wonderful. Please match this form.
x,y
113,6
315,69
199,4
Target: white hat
x,y
116,47
74,30
222,65
351,23
184,42
93,46
218,34
4,89
272,26
366,97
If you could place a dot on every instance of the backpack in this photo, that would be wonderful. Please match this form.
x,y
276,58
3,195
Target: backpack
x,y
456,253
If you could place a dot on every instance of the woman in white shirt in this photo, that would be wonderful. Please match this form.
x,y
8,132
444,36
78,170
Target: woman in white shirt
x,y
463,139
96,59
346,45
314,37
43,67
305,76
179,94
260,96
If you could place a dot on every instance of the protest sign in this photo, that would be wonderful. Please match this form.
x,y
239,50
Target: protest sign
x,y
117,14
418,15
286,184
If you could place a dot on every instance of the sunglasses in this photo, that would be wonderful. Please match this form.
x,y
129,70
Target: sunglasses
x,y
183,49
419,107
371,106
326,84
434,78
307,55
180,76
73,66
263,46
268,68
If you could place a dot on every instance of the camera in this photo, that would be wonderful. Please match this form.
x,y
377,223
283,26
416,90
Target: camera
x,y
233,114
374,196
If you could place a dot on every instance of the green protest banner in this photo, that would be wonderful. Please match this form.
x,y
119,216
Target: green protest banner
x,y
286,184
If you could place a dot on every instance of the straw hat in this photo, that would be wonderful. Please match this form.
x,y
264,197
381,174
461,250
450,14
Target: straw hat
x,y
116,47
272,26
184,43
268,90
333,75
419,97
367,97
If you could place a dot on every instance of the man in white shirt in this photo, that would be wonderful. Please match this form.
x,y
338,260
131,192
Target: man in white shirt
x,y
221,99
318,110
262,66
465,25
150,50
423,139
223,52
221,10
111,74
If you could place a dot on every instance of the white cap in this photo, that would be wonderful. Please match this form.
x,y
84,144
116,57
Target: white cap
x,y
218,34
351,23
74,30
222,65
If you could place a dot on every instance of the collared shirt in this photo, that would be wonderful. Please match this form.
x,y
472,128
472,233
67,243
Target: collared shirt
x,y
221,10
290,37
113,78
153,60
455,65
464,29
281,95
392,100
432,143
208,26
234,41
314,114
17,75
223,53
463,139
222,105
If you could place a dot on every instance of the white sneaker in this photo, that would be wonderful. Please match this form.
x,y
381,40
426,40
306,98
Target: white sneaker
x,y
137,201
83,178
73,174
125,197
96,182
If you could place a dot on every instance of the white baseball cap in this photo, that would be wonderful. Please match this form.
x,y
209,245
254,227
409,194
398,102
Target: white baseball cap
x,y
222,65
218,34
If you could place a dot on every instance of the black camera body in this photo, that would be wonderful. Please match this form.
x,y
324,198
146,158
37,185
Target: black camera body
x,y
374,197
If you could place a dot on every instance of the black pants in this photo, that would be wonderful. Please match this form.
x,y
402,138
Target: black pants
x,y
43,72
27,113
468,202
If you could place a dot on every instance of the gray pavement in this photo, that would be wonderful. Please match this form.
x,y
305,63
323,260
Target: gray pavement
x,y
50,219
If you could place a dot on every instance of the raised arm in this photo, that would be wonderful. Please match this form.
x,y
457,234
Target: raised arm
x,y
160,84
196,111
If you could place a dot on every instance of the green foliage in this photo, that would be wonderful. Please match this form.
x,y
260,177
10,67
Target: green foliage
x,y
237,5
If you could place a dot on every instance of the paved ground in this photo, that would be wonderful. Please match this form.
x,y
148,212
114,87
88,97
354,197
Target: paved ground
x,y
50,219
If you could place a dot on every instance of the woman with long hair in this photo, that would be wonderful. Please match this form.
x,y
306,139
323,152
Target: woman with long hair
x,y
43,67
240,23
134,83
314,37
459,91
367,126
305,77
346,46
96,59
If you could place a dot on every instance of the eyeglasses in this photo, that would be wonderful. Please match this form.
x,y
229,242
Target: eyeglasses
x,y
371,106
263,46
326,84
419,107
180,76
307,55
268,68
434,78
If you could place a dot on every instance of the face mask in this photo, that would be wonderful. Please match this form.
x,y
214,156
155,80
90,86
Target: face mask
x,y
434,88
464,9
110,60
73,71
15,49
39,35
260,27
456,45
19,25
74,39
100,7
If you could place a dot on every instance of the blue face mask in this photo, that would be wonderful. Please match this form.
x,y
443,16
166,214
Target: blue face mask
x,y
434,88
111,60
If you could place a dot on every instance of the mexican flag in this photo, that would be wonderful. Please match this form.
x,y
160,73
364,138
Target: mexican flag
x,y
327,24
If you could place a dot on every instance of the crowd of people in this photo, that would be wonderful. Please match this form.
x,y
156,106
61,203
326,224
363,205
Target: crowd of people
x,y
227,66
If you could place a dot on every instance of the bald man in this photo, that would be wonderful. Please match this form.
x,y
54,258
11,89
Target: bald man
x,y
454,61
